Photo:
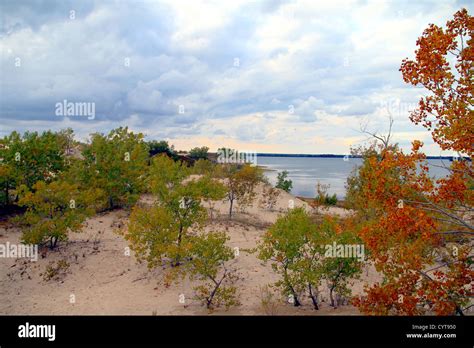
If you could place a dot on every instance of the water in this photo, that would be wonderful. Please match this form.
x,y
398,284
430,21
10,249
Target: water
x,y
306,171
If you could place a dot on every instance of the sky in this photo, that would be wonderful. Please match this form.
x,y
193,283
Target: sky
x,y
265,76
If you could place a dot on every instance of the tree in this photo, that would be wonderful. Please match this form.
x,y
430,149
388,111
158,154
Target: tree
x,y
30,158
283,245
298,250
115,163
282,181
209,263
419,229
444,67
152,234
402,231
199,152
241,183
161,232
343,256
53,210
159,147
204,167
212,190
7,179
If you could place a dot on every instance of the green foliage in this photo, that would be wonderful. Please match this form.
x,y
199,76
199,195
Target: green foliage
x,y
209,258
199,152
53,210
115,163
203,167
241,183
283,245
296,248
212,190
322,196
282,181
338,271
152,235
161,147
30,158
161,233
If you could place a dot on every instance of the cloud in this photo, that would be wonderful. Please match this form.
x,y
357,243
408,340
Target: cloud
x,y
210,71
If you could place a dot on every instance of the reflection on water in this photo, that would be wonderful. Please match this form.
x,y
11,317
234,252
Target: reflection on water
x,y
306,171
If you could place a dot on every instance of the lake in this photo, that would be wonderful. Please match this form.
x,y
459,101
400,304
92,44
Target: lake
x,y
306,171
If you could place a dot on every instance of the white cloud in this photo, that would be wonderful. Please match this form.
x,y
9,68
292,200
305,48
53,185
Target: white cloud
x,y
336,62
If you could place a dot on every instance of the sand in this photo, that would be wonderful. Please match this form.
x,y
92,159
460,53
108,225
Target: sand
x,y
102,279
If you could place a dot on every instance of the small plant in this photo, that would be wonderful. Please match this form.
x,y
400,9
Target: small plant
x,y
322,197
268,300
284,183
269,197
55,270
209,258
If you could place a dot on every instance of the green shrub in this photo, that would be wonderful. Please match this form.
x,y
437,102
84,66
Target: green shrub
x,y
284,183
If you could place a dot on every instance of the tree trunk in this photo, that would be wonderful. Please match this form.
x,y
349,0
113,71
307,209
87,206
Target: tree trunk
x,y
52,242
314,298
297,302
213,293
333,303
230,208
7,199
459,311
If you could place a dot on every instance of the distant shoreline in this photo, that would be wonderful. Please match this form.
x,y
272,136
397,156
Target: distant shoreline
x,y
328,155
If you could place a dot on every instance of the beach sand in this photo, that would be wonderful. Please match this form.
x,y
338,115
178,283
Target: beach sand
x,y
102,279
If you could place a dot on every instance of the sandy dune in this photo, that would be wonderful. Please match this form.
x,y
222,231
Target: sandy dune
x,y
103,280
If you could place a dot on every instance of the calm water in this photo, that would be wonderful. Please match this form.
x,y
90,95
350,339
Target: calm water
x,y
306,171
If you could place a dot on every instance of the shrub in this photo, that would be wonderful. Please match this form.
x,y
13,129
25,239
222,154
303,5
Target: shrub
x,y
199,152
269,197
116,164
322,196
53,210
241,183
161,232
209,263
297,249
55,270
30,158
282,181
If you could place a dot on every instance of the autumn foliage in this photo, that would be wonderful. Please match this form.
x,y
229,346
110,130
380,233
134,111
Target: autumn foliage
x,y
419,229
444,65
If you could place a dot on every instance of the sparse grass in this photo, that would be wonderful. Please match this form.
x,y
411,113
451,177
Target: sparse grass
x,y
55,270
268,301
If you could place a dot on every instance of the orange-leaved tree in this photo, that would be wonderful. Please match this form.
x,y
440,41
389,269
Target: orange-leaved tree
x,y
419,229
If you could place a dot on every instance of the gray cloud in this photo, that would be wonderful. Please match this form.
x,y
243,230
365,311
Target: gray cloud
x,y
140,60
